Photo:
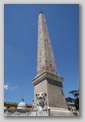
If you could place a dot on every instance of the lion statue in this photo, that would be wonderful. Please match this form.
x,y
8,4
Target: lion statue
x,y
41,103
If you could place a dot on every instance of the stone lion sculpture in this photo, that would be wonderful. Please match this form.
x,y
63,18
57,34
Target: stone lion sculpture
x,y
41,103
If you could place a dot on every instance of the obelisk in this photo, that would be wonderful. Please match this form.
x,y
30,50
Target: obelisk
x,y
47,80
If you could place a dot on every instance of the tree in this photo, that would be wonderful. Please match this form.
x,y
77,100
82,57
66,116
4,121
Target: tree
x,y
75,93
69,99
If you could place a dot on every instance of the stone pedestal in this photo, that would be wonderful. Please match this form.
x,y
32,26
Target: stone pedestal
x,y
50,84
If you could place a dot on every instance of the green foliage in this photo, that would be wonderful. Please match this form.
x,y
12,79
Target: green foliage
x,y
75,93
76,101
69,99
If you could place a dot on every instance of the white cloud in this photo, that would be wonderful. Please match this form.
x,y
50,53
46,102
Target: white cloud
x,y
6,87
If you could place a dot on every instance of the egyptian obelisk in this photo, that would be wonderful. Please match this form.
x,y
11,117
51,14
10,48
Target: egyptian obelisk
x,y
47,80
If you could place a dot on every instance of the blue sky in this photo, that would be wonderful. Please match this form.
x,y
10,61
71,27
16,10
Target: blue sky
x,y
20,47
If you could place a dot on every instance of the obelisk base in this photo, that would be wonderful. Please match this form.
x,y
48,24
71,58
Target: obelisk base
x,y
51,84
